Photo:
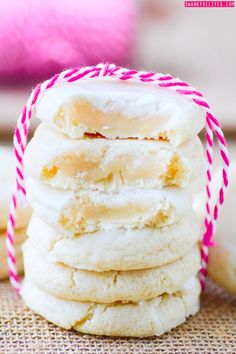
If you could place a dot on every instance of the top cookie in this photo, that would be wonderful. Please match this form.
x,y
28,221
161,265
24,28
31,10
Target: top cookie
x,y
7,177
117,109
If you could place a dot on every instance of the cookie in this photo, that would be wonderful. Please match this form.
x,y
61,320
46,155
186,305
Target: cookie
x,y
141,319
117,250
116,109
7,178
106,287
222,256
20,236
107,165
85,211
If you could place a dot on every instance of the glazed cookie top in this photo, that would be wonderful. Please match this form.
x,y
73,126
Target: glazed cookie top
x,y
7,177
117,109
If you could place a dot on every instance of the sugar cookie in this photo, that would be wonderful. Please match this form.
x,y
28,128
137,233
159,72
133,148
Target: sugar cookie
x,y
107,165
106,287
117,250
85,211
222,257
140,319
117,109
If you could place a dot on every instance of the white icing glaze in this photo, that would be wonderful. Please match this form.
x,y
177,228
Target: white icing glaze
x,y
173,113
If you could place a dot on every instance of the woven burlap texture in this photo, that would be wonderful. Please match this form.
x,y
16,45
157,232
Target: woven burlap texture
x,y
213,330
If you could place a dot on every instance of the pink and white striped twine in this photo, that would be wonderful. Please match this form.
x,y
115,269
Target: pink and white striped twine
x,y
107,70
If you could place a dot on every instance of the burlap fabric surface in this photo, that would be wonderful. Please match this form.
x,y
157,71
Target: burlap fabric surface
x,y
213,330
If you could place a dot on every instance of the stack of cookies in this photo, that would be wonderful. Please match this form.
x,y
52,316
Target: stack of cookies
x,y
7,177
113,241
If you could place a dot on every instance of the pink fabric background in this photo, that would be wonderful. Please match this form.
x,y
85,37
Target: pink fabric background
x,y
39,38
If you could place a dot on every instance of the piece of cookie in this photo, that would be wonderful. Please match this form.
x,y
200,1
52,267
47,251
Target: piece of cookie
x,y
89,211
106,287
116,109
108,165
117,250
7,178
141,319
222,256
20,236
